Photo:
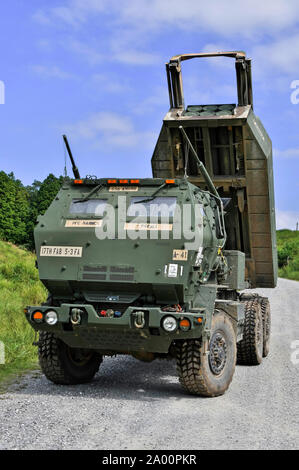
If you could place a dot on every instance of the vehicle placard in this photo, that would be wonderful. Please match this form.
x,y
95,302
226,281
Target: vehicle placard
x,y
180,255
145,226
83,223
172,270
67,251
123,188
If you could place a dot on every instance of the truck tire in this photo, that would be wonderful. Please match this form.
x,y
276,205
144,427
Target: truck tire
x,y
64,365
208,375
266,314
250,348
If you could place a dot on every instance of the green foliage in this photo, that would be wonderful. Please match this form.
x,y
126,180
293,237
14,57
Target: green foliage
x,y
41,194
19,286
19,282
14,210
20,206
288,254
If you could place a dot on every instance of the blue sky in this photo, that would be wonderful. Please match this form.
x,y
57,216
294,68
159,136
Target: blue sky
x,y
94,69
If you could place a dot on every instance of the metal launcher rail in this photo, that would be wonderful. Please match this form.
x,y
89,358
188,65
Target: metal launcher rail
x,y
233,145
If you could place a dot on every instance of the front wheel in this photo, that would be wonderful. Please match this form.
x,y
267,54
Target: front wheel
x,y
64,365
208,374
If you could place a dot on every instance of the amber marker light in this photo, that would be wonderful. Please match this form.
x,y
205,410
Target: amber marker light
x,y
112,181
124,181
37,316
169,181
134,181
185,324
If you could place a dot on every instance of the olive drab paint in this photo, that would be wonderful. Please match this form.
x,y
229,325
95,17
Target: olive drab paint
x,y
148,267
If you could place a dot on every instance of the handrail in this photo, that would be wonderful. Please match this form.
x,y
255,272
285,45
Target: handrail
x,y
243,73
233,54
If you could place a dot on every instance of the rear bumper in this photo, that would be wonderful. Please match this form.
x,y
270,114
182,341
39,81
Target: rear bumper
x,y
117,334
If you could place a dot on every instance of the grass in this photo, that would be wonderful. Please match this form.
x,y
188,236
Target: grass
x,y
19,286
288,254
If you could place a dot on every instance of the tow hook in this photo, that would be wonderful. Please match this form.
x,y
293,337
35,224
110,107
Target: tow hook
x,y
139,320
76,316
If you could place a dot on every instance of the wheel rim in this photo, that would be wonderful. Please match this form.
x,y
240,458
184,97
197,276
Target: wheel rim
x,y
218,353
79,357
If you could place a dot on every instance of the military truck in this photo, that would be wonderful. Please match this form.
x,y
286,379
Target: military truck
x,y
157,267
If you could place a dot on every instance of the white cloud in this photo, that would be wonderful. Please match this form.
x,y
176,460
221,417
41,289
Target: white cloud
x,y
235,18
135,57
270,57
88,53
286,219
158,99
67,15
111,129
111,85
75,12
287,153
135,23
227,18
282,55
51,72
117,51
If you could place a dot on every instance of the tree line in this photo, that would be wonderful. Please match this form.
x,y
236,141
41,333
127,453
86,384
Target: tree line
x,y
20,205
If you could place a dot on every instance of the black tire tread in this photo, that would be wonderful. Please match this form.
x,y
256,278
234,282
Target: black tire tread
x,y
247,353
266,314
191,372
51,363
190,376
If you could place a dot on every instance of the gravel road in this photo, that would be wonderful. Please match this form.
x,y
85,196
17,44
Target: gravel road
x,y
135,405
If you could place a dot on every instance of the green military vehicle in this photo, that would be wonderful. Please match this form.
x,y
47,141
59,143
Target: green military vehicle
x,y
155,267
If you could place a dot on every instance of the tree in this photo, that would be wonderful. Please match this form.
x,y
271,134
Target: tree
x,y
20,206
286,253
41,194
14,210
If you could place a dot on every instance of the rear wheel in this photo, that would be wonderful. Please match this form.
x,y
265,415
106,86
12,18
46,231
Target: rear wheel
x,y
208,374
250,348
64,365
266,315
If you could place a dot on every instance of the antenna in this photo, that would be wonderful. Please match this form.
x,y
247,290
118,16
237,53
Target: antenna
x,y
65,164
75,169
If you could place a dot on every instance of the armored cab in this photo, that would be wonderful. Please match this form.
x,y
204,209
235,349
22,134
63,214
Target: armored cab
x,y
236,150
